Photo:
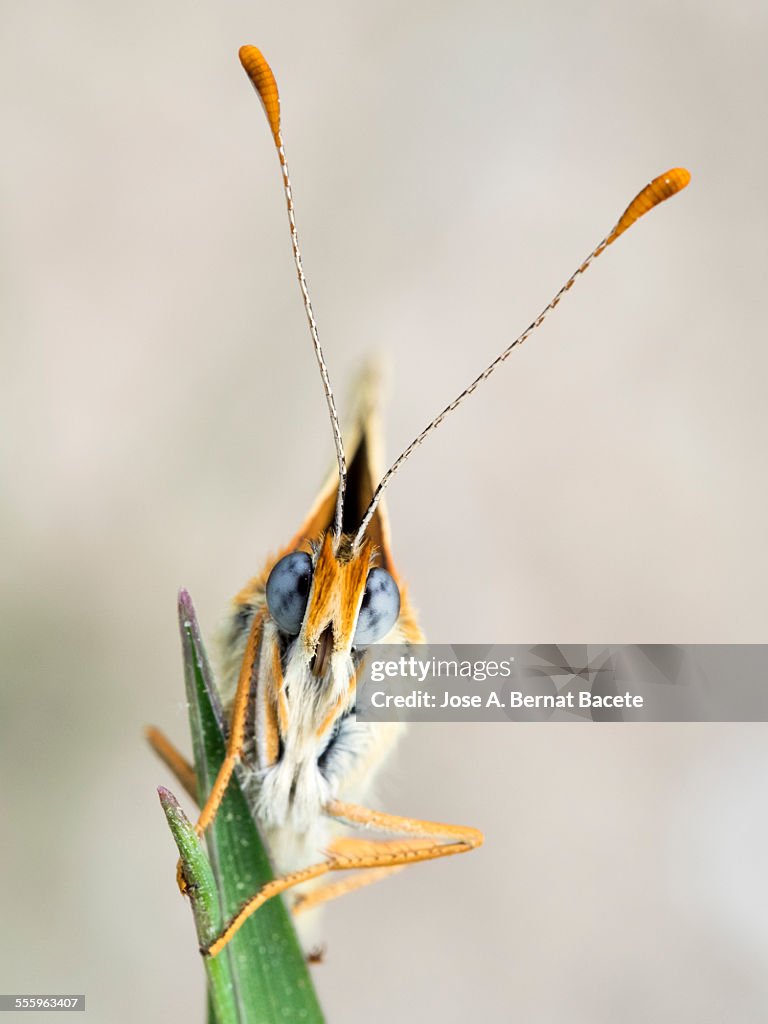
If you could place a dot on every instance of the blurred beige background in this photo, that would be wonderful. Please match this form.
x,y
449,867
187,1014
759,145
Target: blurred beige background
x,y
163,424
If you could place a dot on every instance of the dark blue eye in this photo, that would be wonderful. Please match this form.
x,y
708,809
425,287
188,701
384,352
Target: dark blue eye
x,y
380,608
288,591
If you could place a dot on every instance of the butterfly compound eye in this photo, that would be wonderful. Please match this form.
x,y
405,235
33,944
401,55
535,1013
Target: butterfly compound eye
x,y
288,591
380,608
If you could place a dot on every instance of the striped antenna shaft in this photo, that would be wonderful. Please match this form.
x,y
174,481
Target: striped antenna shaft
x,y
263,81
655,192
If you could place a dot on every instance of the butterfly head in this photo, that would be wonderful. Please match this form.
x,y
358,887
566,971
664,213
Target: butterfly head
x,y
331,604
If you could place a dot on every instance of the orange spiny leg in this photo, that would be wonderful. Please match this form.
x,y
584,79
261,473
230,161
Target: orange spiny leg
x,y
353,854
236,731
266,892
332,890
173,759
354,814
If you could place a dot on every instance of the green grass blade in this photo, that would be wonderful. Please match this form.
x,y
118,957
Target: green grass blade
x,y
268,968
204,897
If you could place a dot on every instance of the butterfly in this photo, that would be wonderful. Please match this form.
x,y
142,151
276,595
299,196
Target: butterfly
x,y
296,637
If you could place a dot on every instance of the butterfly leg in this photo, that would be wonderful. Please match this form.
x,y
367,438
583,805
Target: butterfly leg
x,y
426,840
236,731
354,814
173,759
332,890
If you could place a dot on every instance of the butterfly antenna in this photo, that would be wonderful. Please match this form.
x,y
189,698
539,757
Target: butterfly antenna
x,y
265,85
661,188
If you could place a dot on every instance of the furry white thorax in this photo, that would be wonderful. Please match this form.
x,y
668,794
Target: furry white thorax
x,y
292,792
287,797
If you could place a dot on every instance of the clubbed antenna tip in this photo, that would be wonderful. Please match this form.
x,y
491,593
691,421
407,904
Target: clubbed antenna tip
x,y
661,188
263,81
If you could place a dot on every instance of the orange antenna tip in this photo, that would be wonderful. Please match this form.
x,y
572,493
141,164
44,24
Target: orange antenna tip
x,y
263,81
661,188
